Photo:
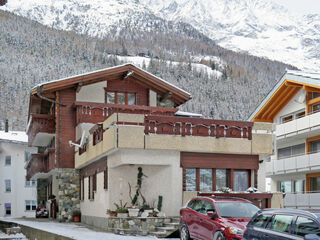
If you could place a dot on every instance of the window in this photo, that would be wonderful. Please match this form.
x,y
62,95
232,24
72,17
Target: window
x,y
295,115
286,186
261,220
316,107
121,98
8,161
7,209
236,209
91,186
306,226
241,181
205,179
27,156
221,178
291,151
105,179
191,179
204,206
7,185
31,205
82,188
314,184
32,183
313,95
299,186
281,223
315,146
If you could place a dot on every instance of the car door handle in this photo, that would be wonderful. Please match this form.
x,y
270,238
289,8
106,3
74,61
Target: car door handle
x,y
265,235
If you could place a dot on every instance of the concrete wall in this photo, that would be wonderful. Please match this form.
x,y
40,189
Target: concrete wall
x,y
294,105
152,98
92,93
17,174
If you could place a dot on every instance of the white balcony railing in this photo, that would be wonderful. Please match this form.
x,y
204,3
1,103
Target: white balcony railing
x,y
300,163
300,125
302,200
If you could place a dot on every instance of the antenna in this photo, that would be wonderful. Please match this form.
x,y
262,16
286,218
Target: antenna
x,y
81,141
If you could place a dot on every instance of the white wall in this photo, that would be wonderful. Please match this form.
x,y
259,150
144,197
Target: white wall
x,y
17,174
152,98
164,177
92,93
294,105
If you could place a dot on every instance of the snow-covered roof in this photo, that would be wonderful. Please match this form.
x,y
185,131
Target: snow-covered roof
x,y
107,69
300,77
188,114
14,137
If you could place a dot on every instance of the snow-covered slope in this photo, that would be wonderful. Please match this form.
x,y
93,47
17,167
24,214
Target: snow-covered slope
x,y
259,27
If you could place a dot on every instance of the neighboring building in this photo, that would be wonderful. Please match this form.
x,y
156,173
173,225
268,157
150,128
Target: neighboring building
x,y
123,118
17,195
293,105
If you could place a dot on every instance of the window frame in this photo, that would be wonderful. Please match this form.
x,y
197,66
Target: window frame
x,y
8,157
126,99
32,205
5,185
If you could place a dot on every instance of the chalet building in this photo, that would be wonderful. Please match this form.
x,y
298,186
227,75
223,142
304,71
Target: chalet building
x,y
95,130
293,106
18,196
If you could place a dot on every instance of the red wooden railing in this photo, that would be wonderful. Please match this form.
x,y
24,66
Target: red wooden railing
x,y
40,123
98,112
41,162
197,127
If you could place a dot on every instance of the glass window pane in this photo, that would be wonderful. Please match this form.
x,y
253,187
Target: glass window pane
x,y
306,226
110,97
121,98
298,149
261,220
8,161
241,182
299,186
191,179
314,184
7,207
131,99
284,152
205,179
316,107
315,146
286,186
33,183
221,178
8,185
34,205
281,223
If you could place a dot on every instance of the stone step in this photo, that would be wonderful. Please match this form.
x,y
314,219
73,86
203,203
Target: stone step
x,y
173,224
160,234
168,229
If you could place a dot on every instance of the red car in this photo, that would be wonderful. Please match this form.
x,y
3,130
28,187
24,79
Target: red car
x,y
218,218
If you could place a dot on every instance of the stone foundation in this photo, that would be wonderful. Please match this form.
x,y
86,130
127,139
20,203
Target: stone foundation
x,y
68,194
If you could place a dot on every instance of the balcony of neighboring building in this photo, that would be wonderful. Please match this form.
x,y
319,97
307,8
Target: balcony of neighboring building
x,y
184,134
40,164
41,129
302,200
298,124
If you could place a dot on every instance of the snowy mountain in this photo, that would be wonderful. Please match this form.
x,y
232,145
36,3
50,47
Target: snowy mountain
x,y
259,27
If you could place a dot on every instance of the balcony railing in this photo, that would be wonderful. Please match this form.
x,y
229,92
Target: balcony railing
x,y
299,125
41,163
40,123
197,127
298,163
98,112
302,200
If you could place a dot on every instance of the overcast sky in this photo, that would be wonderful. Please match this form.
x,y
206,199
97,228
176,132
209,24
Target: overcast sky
x,y
301,6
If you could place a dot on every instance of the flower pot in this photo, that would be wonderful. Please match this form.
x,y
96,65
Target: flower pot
x,y
133,212
113,214
122,215
76,219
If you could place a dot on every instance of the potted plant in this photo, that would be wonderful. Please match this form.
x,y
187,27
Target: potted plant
x,y
76,215
111,213
122,212
133,211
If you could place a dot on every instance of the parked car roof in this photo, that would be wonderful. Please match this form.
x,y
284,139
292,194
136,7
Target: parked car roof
x,y
225,199
290,211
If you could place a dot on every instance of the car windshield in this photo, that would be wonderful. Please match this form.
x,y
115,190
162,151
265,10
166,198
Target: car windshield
x,y
236,209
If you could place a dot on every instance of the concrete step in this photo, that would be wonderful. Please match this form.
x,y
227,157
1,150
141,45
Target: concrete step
x,y
160,234
168,229
172,224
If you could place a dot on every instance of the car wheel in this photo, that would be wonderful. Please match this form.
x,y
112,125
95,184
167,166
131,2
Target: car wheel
x,y
184,233
218,236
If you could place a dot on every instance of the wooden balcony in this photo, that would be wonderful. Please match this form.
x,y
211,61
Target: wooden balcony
x,y
41,163
41,129
87,112
197,127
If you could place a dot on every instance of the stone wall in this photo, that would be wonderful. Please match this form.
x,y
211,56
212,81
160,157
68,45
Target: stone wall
x,y
69,193
41,190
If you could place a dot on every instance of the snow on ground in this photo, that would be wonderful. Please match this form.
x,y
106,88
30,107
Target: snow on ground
x,y
72,230
140,61
12,236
